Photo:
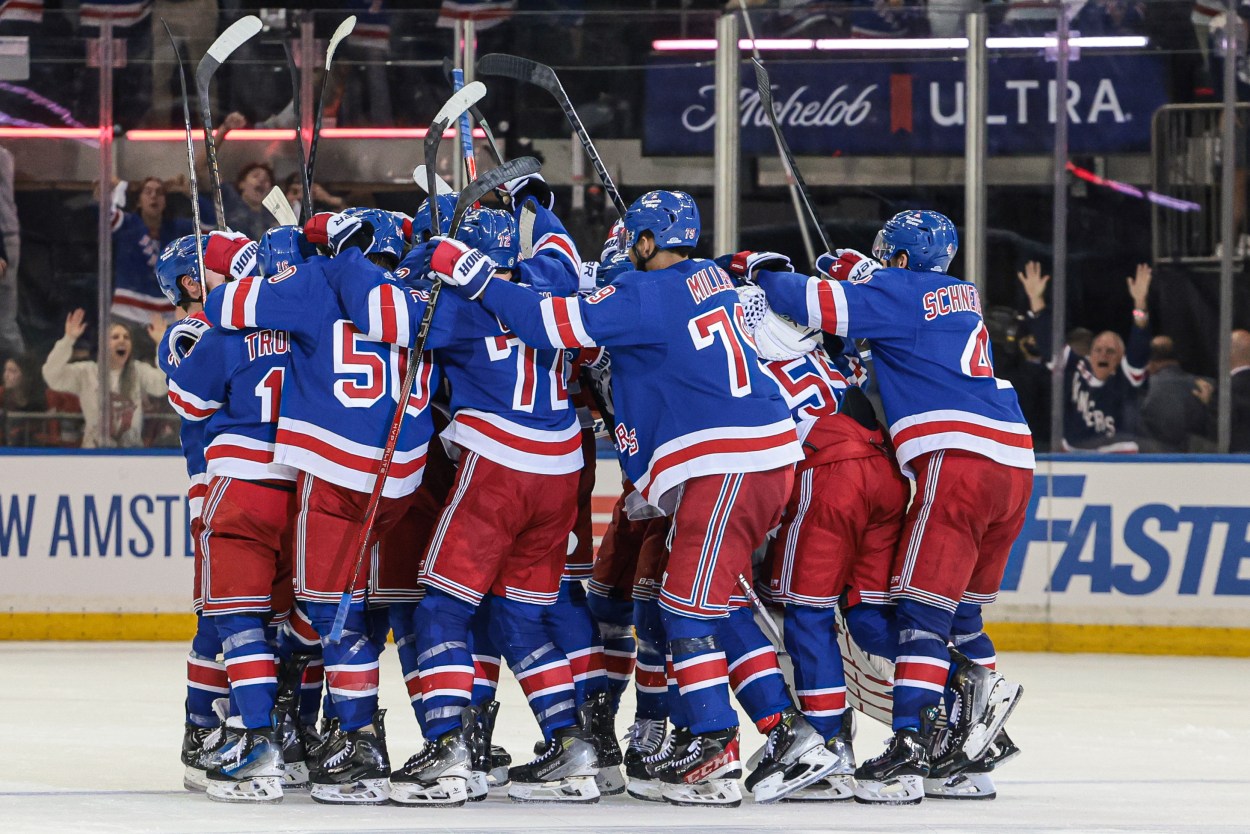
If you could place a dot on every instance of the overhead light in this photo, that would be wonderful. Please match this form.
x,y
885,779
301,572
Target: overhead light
x,y
900,44
288,134
49,133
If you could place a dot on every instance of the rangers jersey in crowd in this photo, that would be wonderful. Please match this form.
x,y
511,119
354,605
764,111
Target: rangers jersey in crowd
x,y
690,396
176,344
136,293
932,355
341,384
509,401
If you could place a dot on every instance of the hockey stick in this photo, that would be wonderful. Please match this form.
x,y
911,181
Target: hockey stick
x,y
195,188
340,34
237,34
466,130
448,113
471,194
798,188
529,215
477,115
422,179
297,107
774,633
280,208
541,75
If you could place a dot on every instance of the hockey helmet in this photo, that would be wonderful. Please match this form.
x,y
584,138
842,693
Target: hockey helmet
x,y
671,217
421,220
611,269
494,232
281,247
928,238
388,231
178,259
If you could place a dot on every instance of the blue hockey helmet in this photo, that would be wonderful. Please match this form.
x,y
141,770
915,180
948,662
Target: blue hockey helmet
x,y
928,238
421,220
283,246
178,259
494,232
609,270
671,217
615,242
388,231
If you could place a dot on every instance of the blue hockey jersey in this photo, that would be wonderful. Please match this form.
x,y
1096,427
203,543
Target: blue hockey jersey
x,y
342,385
191,433
136,293
690,396
509,401
932,355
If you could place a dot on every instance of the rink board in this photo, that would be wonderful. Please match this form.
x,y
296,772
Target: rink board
x,y
1144,554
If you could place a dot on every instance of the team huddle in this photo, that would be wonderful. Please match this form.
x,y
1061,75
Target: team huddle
x,y
750,457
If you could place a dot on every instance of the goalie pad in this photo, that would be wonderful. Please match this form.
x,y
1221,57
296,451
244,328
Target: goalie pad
x,y
776,337
869,678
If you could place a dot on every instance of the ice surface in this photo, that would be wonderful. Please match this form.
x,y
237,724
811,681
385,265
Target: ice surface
x,y
90,735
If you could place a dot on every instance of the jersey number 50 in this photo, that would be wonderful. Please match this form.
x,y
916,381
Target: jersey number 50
x,y
362,371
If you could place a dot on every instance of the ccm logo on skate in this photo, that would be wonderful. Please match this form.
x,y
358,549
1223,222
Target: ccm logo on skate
x,y
709,769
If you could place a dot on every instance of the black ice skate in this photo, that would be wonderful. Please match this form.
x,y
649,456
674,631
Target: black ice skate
x,y
352,767
971,781
646,744
476,726
563,772
595,716
295,739
896,777
199,742
500,761
983,701
437,776
704,772
793,757
837,785
248,767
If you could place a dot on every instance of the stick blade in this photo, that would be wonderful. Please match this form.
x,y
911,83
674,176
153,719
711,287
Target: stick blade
x,y
340,35
521,69
763,83
460,101
237,34
275,201
422,179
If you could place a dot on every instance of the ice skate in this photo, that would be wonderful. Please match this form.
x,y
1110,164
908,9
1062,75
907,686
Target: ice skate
x,y
896,777
352,768
194,776
295,744
564,771
984,700
794,756
500,761
972,781
837,785
646,744
475,730
600,722
703,772
248,767
437,776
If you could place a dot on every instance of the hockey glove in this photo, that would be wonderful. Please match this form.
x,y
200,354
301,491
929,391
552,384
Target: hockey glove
x,y
777,338
744,265
231,254
465,270
530,185
336,230
847,265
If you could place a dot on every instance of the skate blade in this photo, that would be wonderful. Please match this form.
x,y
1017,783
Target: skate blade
x,y
571,789
900,790
829,789
295,776
712,793
478,785
813,765
194,779
648,790
610,781
974,786
447,792
498,777
1002,701
258,789
360,792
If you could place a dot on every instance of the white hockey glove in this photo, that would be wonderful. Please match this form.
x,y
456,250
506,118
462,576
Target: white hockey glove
x,y
333,229
778,338
744,265
230,253
530,185
847,265
465,270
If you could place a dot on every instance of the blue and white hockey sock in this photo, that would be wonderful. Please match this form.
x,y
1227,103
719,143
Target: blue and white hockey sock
x,y
444,660
651,673
754,674
401,616
819,681
542,669
923,663
206,675
486,657
616,626
700,671
351,665
576,635
968,635
251,665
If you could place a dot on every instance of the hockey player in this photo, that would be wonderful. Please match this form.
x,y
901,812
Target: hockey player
x,y
960,433
701,432
339,396
233,380
177,273
504,532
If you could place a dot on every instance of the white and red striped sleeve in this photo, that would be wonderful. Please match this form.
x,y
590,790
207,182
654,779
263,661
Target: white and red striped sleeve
x,y
190,406
389,319
562,319
239,302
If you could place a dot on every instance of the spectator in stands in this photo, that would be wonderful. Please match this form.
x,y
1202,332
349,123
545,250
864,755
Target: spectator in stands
x,y
244,199
1176,411
10,243
1101,409
1079,339
323,200
1016,361
139,236
21,392
1239,386
129,381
